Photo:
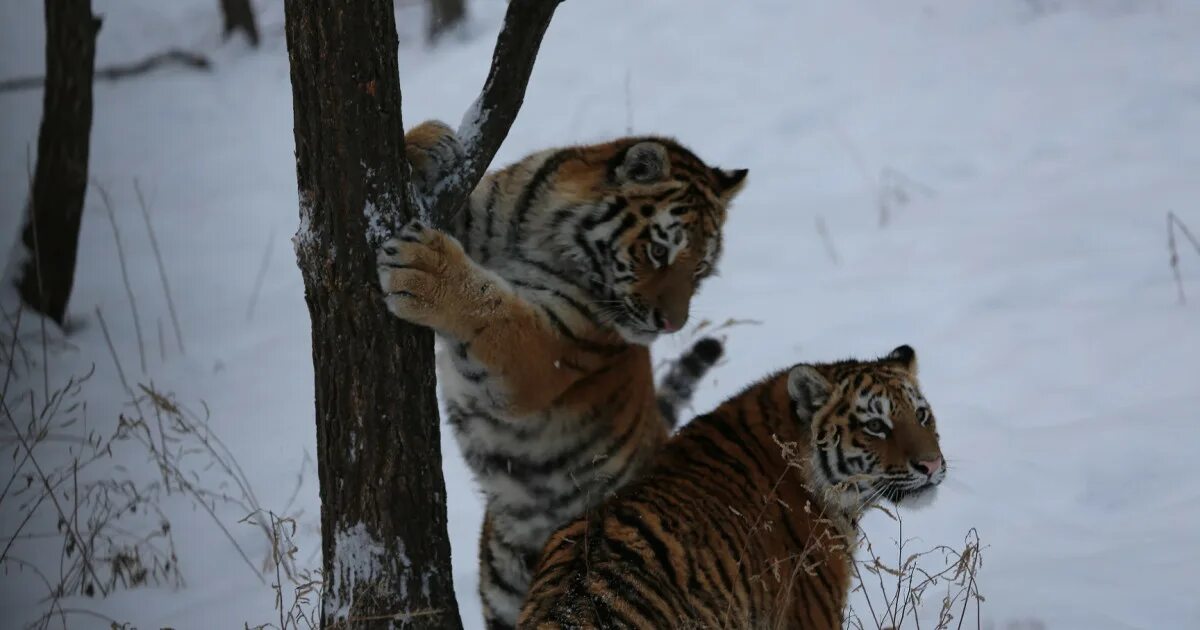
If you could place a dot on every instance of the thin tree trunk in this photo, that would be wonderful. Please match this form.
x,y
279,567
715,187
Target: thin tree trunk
x,y
51,234
445,15
386,553
239,15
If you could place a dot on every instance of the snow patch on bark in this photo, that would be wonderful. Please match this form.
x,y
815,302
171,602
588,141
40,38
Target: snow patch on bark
x,y
378,210
358,562
470,130
304,237
378,229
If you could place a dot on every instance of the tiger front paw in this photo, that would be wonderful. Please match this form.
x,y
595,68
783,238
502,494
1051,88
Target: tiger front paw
x,y
422,272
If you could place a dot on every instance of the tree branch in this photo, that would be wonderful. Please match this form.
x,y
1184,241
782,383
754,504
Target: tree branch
x,y
173,56
486,123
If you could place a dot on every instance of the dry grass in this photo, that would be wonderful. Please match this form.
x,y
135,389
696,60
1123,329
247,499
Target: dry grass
x,y
82,525
895,593
301,609
84,500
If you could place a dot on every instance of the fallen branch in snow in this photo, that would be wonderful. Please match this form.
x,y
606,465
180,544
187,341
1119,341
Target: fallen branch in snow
x,y
1173,222
486,123
172,57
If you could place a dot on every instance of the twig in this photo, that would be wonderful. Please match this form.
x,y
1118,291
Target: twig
x,y
113,352
487,121
823,232
304,464
162,344
173,56
12,356
1173,221
137,322
628,102
85,554
163,459
223,458
262,274
16,341
856,155
894,191
162,271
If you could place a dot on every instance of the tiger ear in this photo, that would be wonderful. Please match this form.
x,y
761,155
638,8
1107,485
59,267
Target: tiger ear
x,y
905,357
729,183
644,163
807,387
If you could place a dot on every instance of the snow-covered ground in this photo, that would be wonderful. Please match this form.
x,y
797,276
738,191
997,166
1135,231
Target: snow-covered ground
x,y
1027,153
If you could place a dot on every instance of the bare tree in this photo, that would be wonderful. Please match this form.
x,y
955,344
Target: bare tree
x,y
445,15
386,554
51,234
239,16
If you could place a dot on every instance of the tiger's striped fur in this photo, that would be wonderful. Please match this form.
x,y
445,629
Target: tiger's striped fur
x,y
546,292
747,517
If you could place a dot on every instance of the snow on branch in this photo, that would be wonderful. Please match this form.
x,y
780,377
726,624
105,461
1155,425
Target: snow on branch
x,y
487,121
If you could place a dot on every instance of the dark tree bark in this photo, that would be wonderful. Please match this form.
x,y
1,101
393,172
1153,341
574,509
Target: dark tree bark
x,y
383,508
51,233
386,555
239,16
445,15
486,124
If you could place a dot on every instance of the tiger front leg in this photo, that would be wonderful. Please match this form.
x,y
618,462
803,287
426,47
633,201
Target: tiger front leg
x,y
429,280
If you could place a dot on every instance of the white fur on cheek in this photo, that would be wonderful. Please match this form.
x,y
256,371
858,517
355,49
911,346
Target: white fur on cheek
x,y
920,501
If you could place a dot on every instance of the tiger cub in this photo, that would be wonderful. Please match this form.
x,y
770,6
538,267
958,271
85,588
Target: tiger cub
x,y
547,291
748,516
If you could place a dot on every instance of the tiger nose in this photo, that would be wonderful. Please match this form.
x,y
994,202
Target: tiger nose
x,y
669,323
929,466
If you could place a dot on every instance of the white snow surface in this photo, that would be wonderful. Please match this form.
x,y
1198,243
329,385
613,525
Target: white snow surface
x,y
1027,152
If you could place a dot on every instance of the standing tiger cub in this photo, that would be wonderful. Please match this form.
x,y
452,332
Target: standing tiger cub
x,y
546,291
748,516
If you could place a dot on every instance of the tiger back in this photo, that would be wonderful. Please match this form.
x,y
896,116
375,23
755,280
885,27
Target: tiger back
x,y
546,291
747,518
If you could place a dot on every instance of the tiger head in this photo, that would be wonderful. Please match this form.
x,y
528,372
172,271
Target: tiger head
x,y
644,229
873,434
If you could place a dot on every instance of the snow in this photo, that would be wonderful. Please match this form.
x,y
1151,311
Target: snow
x,y
304,237
360,556
1034,150
472,124
377,229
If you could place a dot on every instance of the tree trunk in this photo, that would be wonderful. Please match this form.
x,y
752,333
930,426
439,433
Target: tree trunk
x,y
383,501
51,233
240,16
445,15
